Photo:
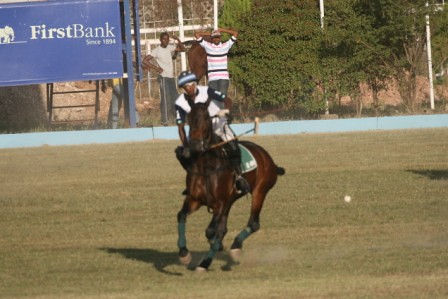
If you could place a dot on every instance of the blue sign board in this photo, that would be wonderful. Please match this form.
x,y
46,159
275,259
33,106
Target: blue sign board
x,y
57,41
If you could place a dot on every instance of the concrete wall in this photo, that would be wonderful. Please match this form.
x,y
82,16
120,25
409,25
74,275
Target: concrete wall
x,y
270,128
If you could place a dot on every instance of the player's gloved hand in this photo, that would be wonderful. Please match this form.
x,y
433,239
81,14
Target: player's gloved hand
x,y
223,113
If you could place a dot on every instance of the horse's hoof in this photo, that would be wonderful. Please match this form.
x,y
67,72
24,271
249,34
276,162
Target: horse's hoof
x,y
236,254
200,269
185,260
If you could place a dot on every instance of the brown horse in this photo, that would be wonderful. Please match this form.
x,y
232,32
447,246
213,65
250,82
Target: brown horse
x,y
197,58
211,183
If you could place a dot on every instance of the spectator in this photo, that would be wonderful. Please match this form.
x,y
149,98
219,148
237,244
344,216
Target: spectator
x,y
117,102
161,61
217,51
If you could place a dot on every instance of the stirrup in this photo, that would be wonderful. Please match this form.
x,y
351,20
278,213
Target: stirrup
x,y
241,185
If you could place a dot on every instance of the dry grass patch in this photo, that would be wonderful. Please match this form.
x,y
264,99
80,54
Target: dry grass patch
x,y
99,221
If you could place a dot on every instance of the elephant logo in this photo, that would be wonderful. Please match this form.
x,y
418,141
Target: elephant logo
x,y
6,35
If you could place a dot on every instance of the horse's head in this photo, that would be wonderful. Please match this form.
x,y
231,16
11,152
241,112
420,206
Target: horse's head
x,y
201,132
197,60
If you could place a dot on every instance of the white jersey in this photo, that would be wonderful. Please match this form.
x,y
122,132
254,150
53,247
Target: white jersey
x,y
203,93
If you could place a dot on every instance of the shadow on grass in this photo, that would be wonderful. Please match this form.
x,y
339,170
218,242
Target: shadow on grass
x,y
160,260
433,174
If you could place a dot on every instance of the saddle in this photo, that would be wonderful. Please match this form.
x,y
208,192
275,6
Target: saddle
x,y
248,162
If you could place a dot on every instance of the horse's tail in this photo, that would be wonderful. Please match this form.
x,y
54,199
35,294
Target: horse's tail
x,y
280,170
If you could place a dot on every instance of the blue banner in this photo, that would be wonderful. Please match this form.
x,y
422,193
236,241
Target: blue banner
x,y
58,41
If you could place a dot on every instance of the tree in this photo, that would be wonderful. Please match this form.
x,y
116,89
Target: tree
x,y
399,27
277,52
232,12
439,39
283,57
345,60
294,62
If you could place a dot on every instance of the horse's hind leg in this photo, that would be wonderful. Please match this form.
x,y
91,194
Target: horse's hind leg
x,y
188,207
253,224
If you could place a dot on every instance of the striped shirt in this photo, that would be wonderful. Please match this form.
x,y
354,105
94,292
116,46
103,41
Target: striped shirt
x,y
217,58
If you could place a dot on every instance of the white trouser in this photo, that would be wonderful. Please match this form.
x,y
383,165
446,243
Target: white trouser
x,y
222,129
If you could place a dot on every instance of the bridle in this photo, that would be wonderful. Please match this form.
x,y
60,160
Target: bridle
x,y
201,128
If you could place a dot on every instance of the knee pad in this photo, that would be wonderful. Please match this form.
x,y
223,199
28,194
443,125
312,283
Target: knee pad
x,y
180,157
178,151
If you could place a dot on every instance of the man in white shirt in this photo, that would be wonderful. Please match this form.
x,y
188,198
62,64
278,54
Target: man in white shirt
x,y
163,57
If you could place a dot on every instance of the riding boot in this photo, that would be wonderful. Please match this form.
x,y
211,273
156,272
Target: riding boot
x,y
241,183
234,154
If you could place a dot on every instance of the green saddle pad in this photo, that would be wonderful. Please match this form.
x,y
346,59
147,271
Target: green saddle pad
x,y
248,162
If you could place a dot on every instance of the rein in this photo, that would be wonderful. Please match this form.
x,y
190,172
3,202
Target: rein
x,y
230,140
207,172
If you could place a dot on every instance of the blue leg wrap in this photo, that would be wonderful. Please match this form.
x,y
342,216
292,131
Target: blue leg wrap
x,y
210,254
215,245
182,241
244,234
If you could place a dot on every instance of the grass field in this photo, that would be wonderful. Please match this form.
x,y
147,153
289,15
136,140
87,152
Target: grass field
x,y
99,221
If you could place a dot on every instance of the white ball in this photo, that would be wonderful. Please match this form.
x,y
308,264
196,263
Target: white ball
x,y
347,198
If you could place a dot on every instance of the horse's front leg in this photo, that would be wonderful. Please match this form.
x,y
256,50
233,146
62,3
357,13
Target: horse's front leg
x,y
211,231
215,233
188,207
